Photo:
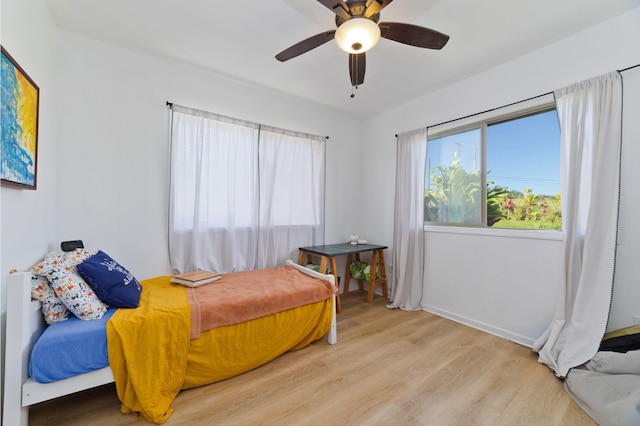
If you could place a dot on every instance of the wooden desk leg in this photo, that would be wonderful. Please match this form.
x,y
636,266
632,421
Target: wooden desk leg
x,y
323,265
323,270
334,268
360,280
347,275
372,276
383,275
334,271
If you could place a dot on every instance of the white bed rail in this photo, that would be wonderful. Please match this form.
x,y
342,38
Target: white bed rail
x,y
332,337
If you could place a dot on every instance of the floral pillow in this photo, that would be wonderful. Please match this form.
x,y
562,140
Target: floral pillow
x,y
51,260
71,289
52,307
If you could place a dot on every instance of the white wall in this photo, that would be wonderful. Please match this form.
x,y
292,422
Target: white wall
x,y
28,217
113,163
510,292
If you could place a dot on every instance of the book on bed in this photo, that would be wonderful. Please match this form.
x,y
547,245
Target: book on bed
x,y
196,278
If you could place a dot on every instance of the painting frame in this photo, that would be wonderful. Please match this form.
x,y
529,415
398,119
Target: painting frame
x,y
20,113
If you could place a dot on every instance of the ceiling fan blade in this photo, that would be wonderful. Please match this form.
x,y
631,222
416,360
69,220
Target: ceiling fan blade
x,y
339,7
357,65
413,35
305,45
374,6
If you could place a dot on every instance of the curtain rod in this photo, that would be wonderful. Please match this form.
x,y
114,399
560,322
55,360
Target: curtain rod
x,y
488,110
512,103
629,68
170,105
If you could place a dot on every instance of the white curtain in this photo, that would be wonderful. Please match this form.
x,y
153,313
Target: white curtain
x,y
408,229
292,170
235,193
590,115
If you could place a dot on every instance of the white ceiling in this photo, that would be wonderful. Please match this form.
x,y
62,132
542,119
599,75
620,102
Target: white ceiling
x,y
240,39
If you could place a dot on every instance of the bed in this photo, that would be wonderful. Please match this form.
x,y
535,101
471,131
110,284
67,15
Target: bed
x,y
211,353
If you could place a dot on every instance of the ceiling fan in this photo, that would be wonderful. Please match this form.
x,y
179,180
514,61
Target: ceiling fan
x,y
358,31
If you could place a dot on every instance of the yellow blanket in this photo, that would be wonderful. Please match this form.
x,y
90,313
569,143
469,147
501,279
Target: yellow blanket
x,y
153,357
148,349
228,351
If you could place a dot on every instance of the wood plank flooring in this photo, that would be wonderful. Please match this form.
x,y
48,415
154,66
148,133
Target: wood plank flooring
x,y
389,367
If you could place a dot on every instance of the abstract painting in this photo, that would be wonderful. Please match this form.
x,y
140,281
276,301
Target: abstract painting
x,y
19,116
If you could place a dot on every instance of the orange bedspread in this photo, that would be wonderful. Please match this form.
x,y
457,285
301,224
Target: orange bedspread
x,y
242,296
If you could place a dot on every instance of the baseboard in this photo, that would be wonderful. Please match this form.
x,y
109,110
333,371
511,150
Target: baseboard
x,y
505,334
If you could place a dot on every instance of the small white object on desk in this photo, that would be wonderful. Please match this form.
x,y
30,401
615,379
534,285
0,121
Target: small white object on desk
x,y
362,241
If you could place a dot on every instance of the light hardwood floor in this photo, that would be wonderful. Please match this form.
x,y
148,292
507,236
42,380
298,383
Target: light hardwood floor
x,y
389,367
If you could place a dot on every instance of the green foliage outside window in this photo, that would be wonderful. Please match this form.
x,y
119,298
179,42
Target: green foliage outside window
x,y
454,197
527,210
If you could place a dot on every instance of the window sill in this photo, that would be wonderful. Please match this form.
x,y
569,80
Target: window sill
x,y
535,234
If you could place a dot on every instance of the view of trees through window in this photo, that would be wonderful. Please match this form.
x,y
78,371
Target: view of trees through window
x,y
519,171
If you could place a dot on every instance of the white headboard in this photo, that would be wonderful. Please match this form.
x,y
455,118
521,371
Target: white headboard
x,y
24,325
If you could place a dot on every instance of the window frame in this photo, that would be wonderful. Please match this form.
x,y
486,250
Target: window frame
x,y
529,107
483,179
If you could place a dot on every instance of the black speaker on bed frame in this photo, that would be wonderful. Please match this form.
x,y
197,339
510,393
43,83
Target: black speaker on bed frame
x,y
71,245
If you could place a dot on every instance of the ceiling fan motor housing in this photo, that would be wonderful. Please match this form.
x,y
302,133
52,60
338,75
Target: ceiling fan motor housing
x,y
356,9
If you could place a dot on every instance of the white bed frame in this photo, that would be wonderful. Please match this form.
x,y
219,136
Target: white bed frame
x,y
25,324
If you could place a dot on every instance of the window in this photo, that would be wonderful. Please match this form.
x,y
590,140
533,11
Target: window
x,y
501,172
454,180
242,195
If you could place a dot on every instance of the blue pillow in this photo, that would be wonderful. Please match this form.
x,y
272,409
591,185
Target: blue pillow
x,y
113,284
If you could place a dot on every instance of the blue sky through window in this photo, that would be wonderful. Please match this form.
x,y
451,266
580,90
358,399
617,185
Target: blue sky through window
x,y
525,153
521,153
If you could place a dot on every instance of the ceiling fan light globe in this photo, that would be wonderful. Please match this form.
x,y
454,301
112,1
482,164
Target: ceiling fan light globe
x,y
357,35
